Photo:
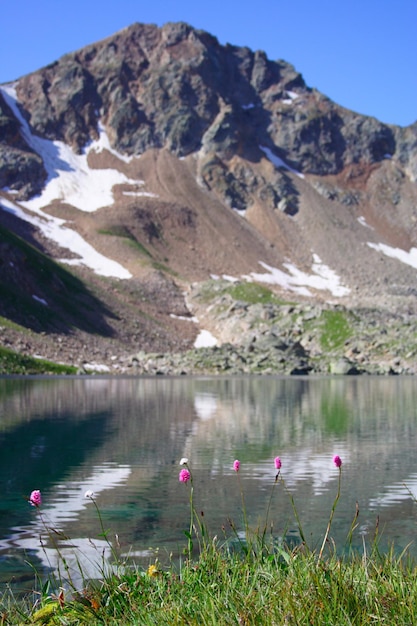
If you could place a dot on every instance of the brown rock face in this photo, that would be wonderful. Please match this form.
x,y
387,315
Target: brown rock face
x,y
20,168
176,87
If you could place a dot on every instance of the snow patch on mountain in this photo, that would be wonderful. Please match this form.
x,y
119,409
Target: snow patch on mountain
x,y
140,194
70,178
291,96
362,221
409,258
278,162
103,143
205,340
54,228
322,278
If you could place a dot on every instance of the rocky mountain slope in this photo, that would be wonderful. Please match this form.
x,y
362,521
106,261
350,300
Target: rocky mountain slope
x,y
137,169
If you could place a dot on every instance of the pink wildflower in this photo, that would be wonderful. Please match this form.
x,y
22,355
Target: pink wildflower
x,y
337,460
236,465
35,498
278,463
184,475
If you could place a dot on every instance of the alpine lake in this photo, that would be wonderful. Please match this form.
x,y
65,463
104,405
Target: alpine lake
x,y
123,439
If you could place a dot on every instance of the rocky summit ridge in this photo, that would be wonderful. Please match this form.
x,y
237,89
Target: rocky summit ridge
x,y
147,180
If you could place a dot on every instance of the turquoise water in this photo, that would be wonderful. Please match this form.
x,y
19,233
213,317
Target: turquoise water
x,y
123,439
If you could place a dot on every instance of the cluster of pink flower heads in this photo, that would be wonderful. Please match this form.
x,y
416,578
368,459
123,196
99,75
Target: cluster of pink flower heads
x,y
337,460
35,498
184,475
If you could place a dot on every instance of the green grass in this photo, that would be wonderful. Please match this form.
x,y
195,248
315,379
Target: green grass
x,y
63,290
335,329
139,247
252,293
14,363
124,233
285,587
10,324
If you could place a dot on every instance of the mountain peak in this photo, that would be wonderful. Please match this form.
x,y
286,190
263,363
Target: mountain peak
x,y
199,159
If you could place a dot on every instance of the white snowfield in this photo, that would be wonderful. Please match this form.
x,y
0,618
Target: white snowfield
x,y
409,258
321,278
54,228
70,179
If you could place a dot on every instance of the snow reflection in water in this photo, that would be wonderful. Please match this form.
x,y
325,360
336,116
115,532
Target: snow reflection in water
x,y
123,439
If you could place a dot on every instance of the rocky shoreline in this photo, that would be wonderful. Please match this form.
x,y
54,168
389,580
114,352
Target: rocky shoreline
x,y
289,339
266,356
256,332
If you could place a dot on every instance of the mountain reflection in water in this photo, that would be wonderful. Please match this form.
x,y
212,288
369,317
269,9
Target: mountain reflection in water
x,y
122,438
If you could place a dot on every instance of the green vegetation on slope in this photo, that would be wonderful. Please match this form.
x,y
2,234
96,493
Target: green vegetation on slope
x,y
121,231
242,291
39,294
13,363
335,329
252,293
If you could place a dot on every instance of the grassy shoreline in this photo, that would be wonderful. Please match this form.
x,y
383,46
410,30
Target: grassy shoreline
x,y
288,587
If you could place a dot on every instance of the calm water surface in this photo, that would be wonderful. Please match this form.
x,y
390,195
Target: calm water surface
x,y
123,439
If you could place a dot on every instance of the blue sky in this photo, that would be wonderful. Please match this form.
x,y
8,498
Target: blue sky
x,y
360,53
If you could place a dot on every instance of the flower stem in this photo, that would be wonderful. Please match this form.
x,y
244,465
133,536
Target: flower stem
x,y
331,514
294,508
269,506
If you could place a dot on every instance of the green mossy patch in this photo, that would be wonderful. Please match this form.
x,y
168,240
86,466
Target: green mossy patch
x,y
335,328
14,363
